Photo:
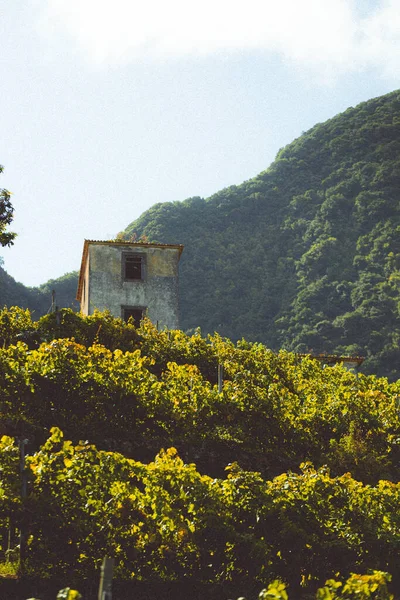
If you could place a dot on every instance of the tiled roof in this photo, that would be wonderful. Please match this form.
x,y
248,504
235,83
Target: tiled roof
x,y
141,244
334,358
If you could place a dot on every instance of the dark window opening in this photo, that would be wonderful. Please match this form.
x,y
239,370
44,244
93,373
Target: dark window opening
x,y
137,314
133,267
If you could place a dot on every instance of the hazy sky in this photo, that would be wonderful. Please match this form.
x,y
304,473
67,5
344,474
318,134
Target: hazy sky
x,y
109,107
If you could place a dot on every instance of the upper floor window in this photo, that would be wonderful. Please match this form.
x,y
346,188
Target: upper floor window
x,y
133,266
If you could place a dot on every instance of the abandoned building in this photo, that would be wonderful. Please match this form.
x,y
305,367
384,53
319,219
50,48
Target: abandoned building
x,y
131,279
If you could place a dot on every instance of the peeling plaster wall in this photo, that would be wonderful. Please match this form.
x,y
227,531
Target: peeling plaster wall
x,y
107,290
85,292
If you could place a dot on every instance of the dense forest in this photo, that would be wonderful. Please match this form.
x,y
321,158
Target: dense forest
x,y
39,299
285,471
305,256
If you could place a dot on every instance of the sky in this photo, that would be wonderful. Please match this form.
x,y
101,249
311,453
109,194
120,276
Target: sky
x,y
107,108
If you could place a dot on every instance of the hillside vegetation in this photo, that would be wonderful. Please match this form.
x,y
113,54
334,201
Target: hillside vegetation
x,y
289,472
305,256
39,299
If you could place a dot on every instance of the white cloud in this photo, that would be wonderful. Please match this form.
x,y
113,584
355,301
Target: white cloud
x,y
381,40
329,36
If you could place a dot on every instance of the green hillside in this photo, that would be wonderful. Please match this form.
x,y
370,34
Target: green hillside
x,y
13,293
306,255
39,299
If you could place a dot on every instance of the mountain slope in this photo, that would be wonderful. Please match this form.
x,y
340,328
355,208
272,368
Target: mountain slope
x,y
38,299
307,254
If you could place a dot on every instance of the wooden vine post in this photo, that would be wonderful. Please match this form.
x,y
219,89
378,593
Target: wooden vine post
x,y
105,588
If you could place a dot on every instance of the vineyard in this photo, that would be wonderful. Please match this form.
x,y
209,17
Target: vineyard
x,y
288,473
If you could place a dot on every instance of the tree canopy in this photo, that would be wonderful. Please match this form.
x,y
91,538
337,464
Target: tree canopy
x,y
306,255
6,217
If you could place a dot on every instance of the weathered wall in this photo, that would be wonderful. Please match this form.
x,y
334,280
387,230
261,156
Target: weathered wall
x,y
158,292
85,292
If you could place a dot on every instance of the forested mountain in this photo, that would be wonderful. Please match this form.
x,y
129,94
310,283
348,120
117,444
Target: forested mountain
x,y
13,293
39,299
306,255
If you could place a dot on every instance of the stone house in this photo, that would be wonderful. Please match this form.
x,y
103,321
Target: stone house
x,y
131,279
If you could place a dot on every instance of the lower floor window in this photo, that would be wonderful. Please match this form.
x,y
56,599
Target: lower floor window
x,y
137,314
